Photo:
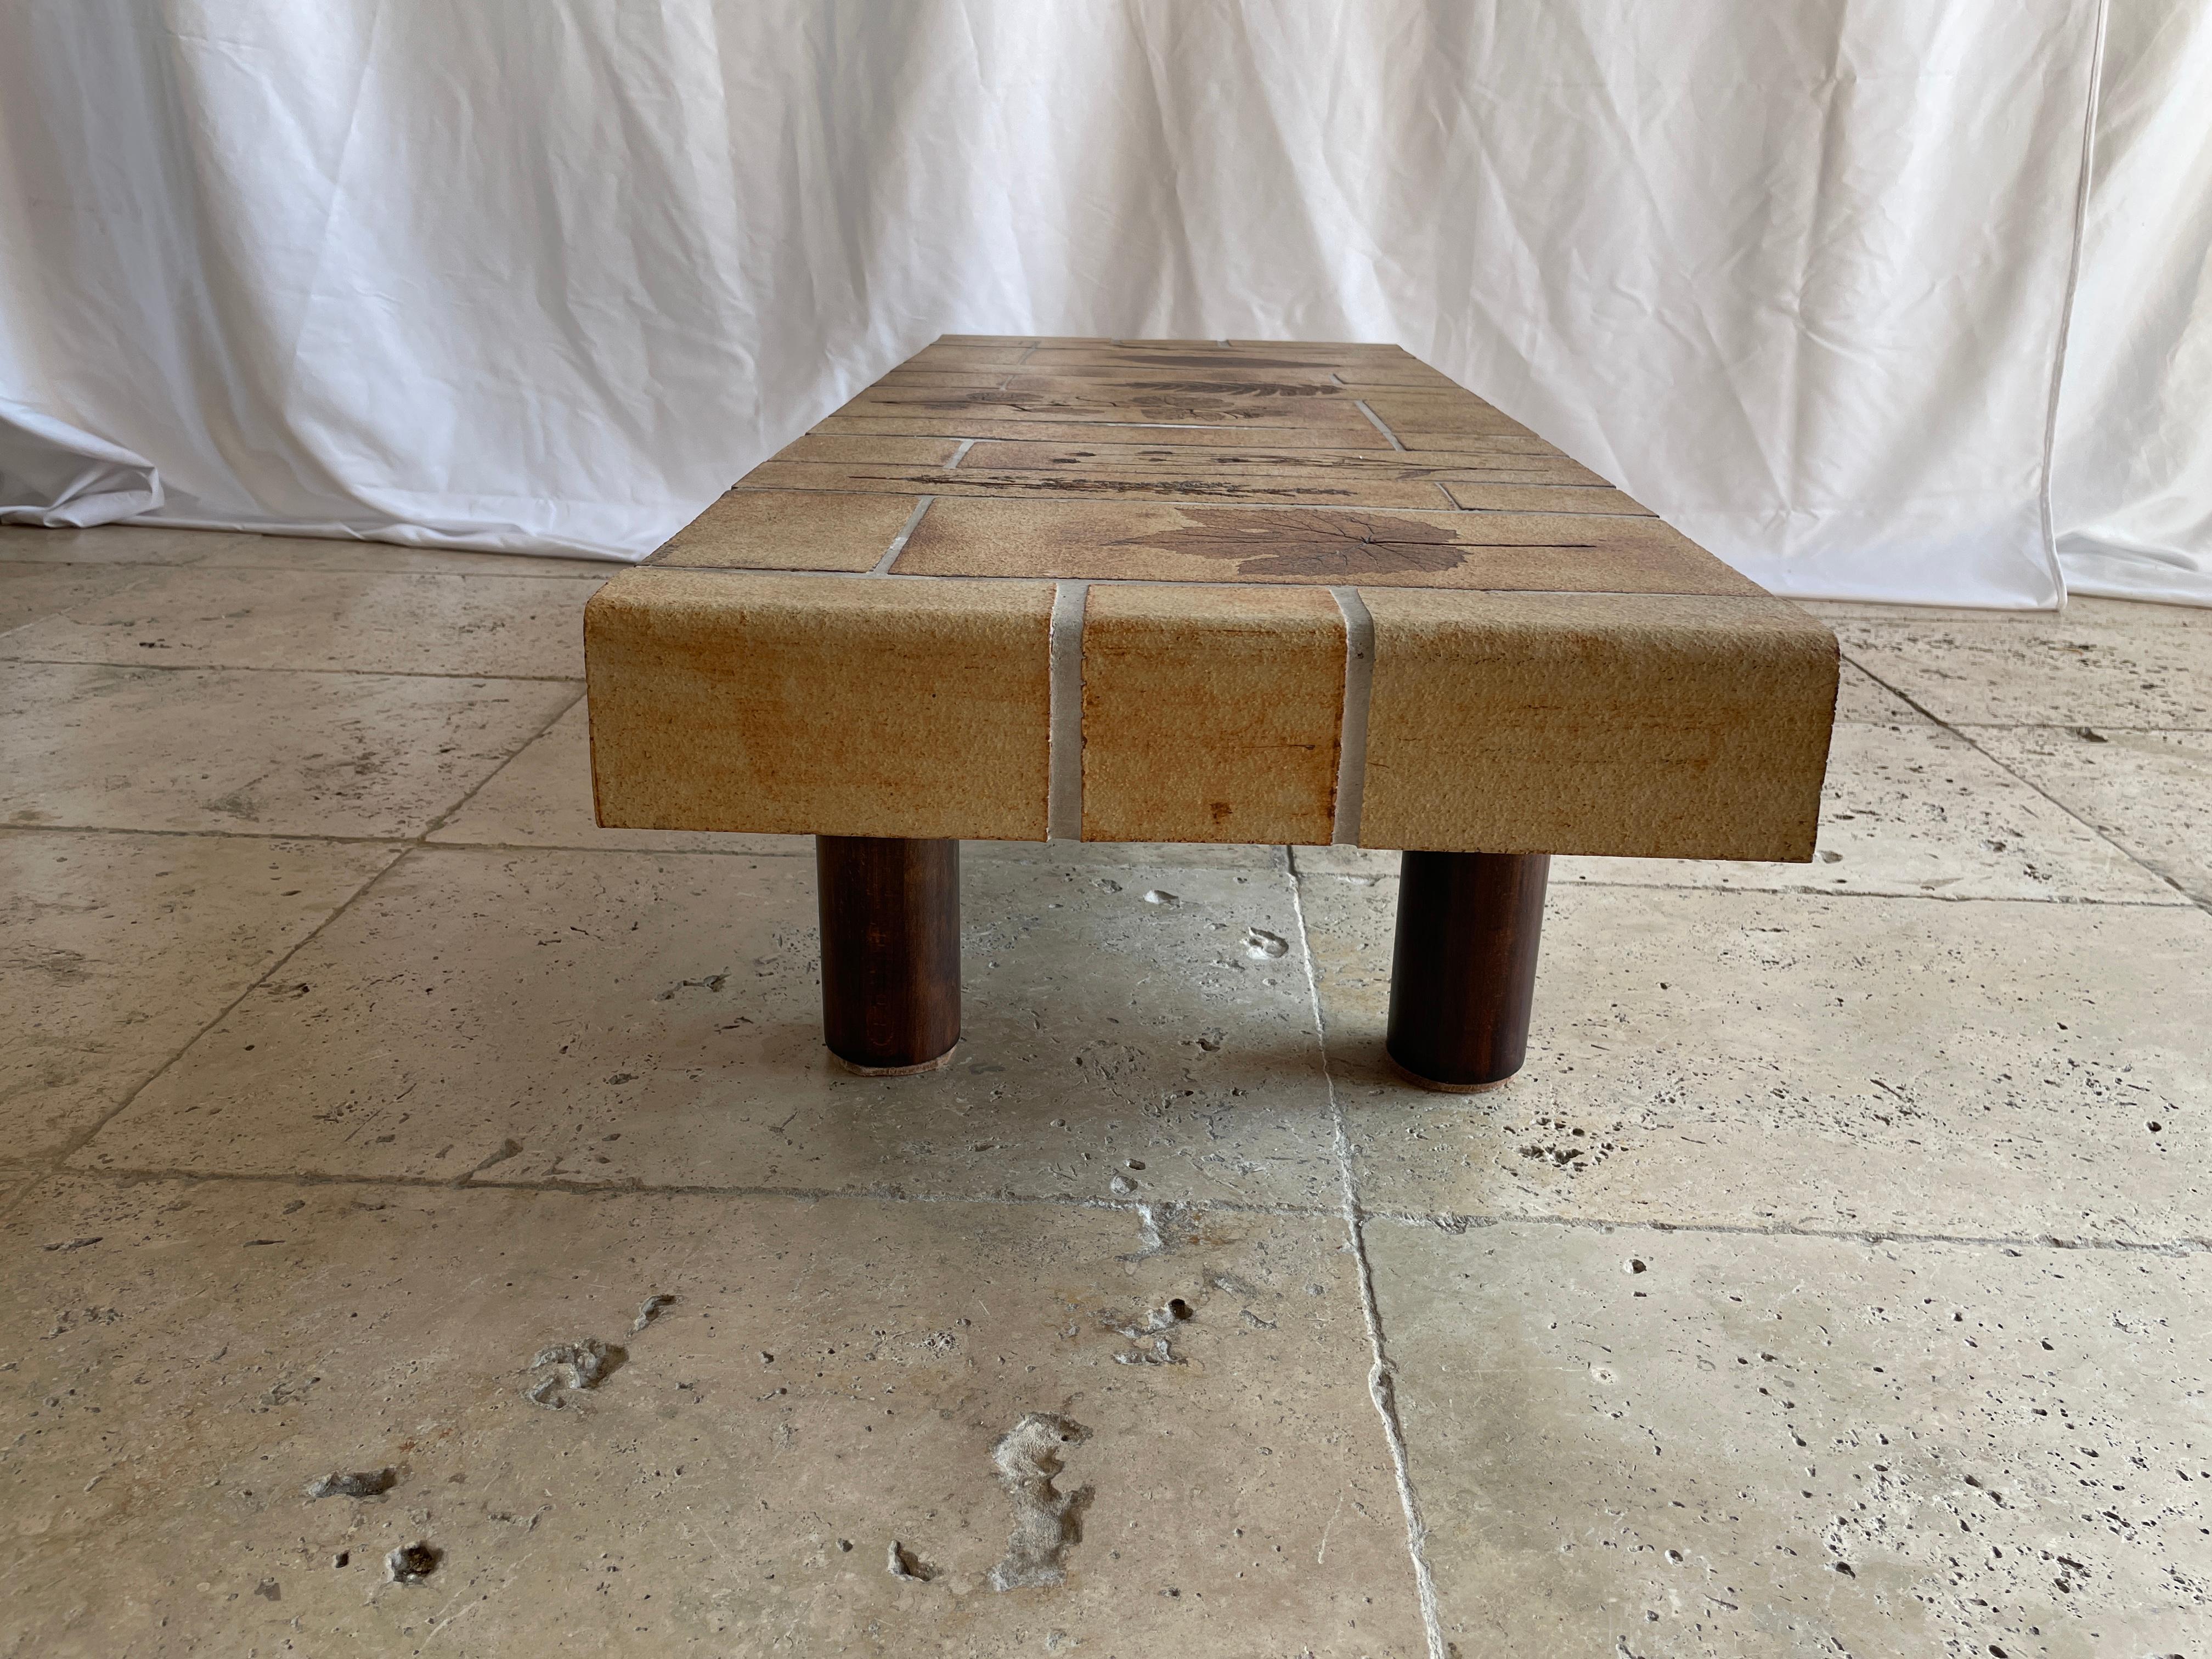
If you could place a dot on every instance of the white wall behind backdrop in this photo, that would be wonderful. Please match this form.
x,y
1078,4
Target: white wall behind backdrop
x,y
550,274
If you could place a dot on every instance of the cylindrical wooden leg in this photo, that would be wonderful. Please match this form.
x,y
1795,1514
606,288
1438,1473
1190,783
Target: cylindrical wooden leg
x,y
891,951
1464,972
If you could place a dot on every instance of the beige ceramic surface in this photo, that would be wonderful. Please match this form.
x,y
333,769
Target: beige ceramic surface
x,y
1653,725
1897,1138
1521,700
1252,681
1908,809
824,706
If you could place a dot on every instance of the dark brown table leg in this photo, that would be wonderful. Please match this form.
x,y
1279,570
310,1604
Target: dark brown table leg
x,y
891,951
1464,971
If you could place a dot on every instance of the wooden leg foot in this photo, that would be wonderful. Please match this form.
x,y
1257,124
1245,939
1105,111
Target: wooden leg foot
x,y
1463,975
891,951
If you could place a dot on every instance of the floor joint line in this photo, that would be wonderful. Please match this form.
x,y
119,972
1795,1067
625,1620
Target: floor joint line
x,y
1381,1376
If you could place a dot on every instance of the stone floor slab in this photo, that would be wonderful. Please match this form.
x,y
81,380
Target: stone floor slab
x,y
1658,1446
107,544
542,798
2068,670
2127,613
827,1386
1860,697
611,1018
255,750
385,558
115,950
1917,809
2150,791
512,627
31,592
1739,1059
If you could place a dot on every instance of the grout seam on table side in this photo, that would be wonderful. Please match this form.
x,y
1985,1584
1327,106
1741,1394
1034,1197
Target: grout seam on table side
x,y
1352,725
1064,716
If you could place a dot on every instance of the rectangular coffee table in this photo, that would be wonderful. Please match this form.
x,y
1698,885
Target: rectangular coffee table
x,y
1198,590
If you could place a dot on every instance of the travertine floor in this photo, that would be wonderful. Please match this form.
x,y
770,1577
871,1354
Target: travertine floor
x,y
1831,1282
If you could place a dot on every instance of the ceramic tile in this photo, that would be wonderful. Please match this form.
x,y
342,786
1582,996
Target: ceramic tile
x,y
2151,792
513,627
272,753
1719,1059
773,703
542,798
1907,809
614,1017
1915,809
1763,1447
1110,856
829,1381
31,591
118,948
2065,669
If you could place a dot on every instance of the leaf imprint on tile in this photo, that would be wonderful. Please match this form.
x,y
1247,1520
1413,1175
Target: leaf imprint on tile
x,y
1047,1521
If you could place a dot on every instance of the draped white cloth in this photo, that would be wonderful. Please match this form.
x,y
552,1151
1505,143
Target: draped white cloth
x,y
2132,488
549,274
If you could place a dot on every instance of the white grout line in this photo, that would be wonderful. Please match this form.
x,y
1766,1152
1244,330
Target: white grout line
x,y
1351,742
960,455
898,542
1064,788
1382,1375
1360,404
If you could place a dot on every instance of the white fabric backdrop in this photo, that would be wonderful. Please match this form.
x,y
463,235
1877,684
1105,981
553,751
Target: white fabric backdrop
x,y
548,274
2132,488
